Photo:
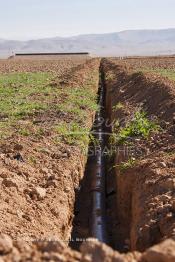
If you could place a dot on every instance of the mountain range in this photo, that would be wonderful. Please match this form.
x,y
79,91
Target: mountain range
x,y
124,43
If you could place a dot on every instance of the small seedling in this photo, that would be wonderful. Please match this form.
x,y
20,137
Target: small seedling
x,y
128,164
118,106
24,132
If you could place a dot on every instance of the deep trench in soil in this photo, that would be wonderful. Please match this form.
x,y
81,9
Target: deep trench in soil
x,y
94,210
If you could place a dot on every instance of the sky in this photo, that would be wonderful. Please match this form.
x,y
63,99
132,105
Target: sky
x,y
32,19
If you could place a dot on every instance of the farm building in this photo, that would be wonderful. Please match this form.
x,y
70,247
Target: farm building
x,y
48,56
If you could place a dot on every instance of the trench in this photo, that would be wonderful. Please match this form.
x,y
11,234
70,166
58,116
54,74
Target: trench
x,y
94,214
112,205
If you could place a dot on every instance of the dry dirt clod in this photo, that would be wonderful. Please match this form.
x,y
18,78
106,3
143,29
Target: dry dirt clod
x,y
9,182
169,184
44,170
52,246
164,252
19,213
39,192
52,183
99,252
162,164
4,174
173,206
18,147
16,255
164,198
67,189
6,244
169,215
160,209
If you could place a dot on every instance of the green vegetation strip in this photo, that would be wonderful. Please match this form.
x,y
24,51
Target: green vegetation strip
x,y
24,95
80,102
169,73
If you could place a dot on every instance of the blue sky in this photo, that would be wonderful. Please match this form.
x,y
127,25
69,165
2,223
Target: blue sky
x,y
24,19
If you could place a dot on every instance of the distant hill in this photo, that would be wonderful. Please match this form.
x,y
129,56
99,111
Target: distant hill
x,y
131,42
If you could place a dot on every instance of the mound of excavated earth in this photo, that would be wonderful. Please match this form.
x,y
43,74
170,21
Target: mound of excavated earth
x,y
90,251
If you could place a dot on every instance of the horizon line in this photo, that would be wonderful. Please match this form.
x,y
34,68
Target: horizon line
x,y
22,38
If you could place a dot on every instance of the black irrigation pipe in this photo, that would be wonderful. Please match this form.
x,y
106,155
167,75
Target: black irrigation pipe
x,y
98,224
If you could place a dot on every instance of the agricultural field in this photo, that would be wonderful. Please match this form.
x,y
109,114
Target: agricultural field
x,y
164,67
56,67
47,112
